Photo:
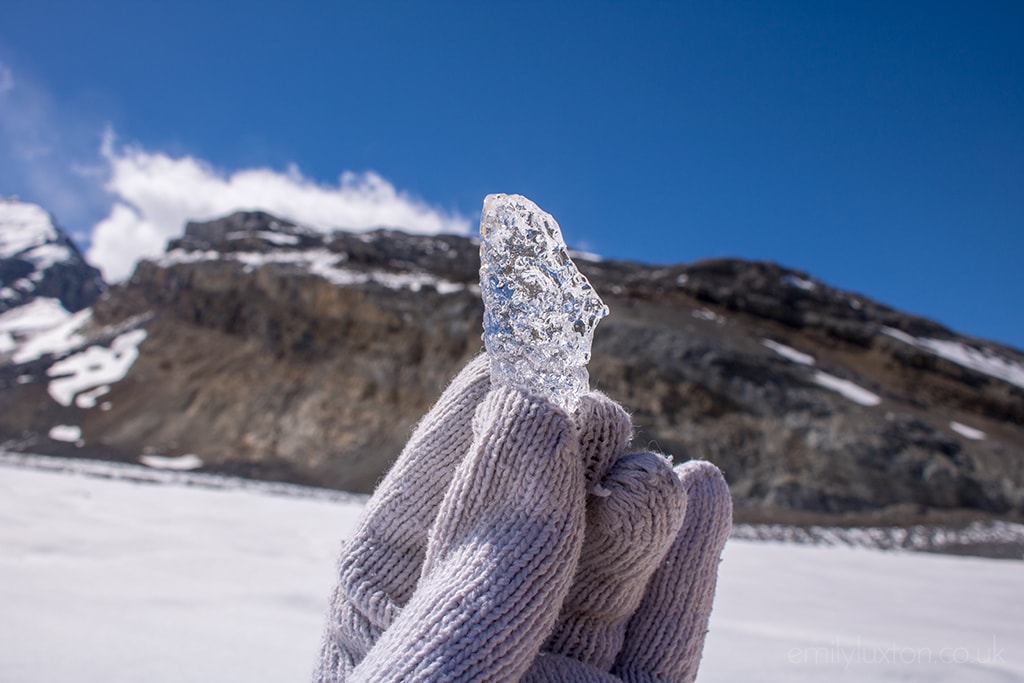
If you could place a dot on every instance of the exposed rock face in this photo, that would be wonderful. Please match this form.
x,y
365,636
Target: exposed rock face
x,y
278,352
688,349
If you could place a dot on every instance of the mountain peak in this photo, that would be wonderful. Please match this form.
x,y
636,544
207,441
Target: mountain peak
x,y
24,228
39,259
244,231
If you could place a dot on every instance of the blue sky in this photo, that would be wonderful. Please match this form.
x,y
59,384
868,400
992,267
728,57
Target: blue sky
x,y
877,145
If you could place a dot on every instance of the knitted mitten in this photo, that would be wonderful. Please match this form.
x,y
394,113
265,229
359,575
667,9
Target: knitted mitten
x,y
604,429
381,563
665,638
500,556
629,531
468,556
663,585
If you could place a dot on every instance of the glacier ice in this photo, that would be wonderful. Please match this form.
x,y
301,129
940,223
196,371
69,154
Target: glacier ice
x,y
539,310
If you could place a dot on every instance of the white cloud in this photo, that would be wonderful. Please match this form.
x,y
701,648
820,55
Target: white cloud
x,y
156,194
127,201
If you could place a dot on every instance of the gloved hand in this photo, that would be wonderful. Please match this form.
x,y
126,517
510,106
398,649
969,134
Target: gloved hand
x,y
511,541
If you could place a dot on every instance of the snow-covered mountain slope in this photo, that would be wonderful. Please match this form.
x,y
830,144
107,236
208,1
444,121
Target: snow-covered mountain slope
x,y
51,349
113,580
46,286
39,260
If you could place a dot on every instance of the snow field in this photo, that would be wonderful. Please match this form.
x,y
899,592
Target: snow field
x,y
114,580
801,613
106,580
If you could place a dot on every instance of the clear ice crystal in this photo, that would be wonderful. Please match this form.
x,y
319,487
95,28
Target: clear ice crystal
x,y
540,311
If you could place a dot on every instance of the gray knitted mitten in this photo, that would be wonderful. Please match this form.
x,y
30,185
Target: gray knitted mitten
x,y
666,597
381,563
448,493
468,558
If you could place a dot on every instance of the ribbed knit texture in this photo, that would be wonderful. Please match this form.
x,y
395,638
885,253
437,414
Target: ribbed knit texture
x,y
500,557
381,563
665,639
665,636
629,531
604,430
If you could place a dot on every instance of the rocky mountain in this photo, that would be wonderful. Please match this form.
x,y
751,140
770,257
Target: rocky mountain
x,y
258,347
44,280
39,261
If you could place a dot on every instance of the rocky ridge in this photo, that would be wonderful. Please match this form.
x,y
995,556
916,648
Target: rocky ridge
x,y
266,349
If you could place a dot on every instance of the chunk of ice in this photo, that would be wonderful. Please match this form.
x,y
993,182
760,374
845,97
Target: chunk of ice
x,y
539,310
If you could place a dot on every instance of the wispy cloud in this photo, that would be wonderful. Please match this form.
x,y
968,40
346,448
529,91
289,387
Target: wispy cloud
x,y
155,194
40,147
126,201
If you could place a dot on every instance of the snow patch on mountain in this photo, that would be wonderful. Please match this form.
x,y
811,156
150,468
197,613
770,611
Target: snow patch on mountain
x,y
278,238
981,359
847,389
19,326
710,316
843,387
36,316
788,352
181,463
185,256
67,433
25,227
94,367
799,282
579,255
87,399
323,263
967,432
61,338
44,256
39,260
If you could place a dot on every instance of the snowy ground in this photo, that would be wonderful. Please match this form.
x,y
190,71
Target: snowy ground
x,y
106,580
